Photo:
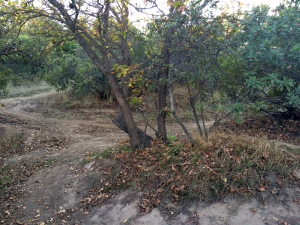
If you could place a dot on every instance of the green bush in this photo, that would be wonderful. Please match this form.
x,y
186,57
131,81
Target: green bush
x,y
79,74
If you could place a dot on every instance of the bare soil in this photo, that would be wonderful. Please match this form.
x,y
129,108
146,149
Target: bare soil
x,y
59,143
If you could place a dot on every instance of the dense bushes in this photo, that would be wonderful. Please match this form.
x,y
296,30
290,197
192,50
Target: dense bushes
x,y
78,73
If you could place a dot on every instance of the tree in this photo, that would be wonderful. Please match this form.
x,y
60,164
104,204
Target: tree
x,y
101,28
269,53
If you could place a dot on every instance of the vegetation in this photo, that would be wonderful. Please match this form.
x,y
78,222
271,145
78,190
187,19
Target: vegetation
x,y
226,164
230,62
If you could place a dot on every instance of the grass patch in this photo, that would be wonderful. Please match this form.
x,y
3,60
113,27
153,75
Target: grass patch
x,y
11,145
207,171
28,90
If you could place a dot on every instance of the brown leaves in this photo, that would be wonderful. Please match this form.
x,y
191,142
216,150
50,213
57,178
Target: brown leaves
x,y
262,188
160,190
289,130
149,202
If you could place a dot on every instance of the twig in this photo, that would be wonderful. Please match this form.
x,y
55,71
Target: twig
x,y
146,124
174,112
156,132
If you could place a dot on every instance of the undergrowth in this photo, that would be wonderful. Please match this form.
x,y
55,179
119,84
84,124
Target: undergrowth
x,y
207,171
28,89
11,145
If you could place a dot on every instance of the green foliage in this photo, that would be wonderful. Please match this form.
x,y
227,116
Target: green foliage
x,y
78,73
269,53
4,78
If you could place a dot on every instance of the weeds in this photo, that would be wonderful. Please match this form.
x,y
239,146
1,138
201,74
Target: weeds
x,y
28,90
208,170
64,99
49,162
107,153
11,145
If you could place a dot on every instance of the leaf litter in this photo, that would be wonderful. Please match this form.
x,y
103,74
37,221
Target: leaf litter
x,y
200,171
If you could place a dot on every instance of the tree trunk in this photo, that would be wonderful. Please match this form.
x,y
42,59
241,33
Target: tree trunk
x,y
162,94
119,121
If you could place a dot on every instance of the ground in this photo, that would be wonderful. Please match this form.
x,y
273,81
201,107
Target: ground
x,y
57,144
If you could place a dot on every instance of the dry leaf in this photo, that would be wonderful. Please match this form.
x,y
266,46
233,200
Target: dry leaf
x,y
191,172
262,188
174,168
125,220
262,219
175,196
274,191
160,190
285,223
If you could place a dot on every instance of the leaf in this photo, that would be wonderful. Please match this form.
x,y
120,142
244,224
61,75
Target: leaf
x,y
174,168
177,3
175,195
191,172
262,188
160,190
262,219
181,8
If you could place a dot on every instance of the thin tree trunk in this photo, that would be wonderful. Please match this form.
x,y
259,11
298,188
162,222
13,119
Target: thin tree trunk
x,y
162,94
196,116
192,102
202,115
174,112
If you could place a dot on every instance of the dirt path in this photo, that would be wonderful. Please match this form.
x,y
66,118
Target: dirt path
x,y
52,194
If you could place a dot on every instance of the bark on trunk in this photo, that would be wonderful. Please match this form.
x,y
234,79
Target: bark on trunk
x,y
162,94
119,121
104,63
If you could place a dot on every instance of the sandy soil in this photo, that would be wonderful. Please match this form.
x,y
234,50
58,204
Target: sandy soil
x,y
52,195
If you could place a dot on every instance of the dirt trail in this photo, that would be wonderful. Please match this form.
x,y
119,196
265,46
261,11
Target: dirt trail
x,y
58,188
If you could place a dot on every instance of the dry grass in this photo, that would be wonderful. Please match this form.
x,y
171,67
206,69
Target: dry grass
x,y
208,171
66,100
28,90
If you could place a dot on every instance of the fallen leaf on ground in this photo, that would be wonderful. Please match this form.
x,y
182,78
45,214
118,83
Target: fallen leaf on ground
x,y
160,190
